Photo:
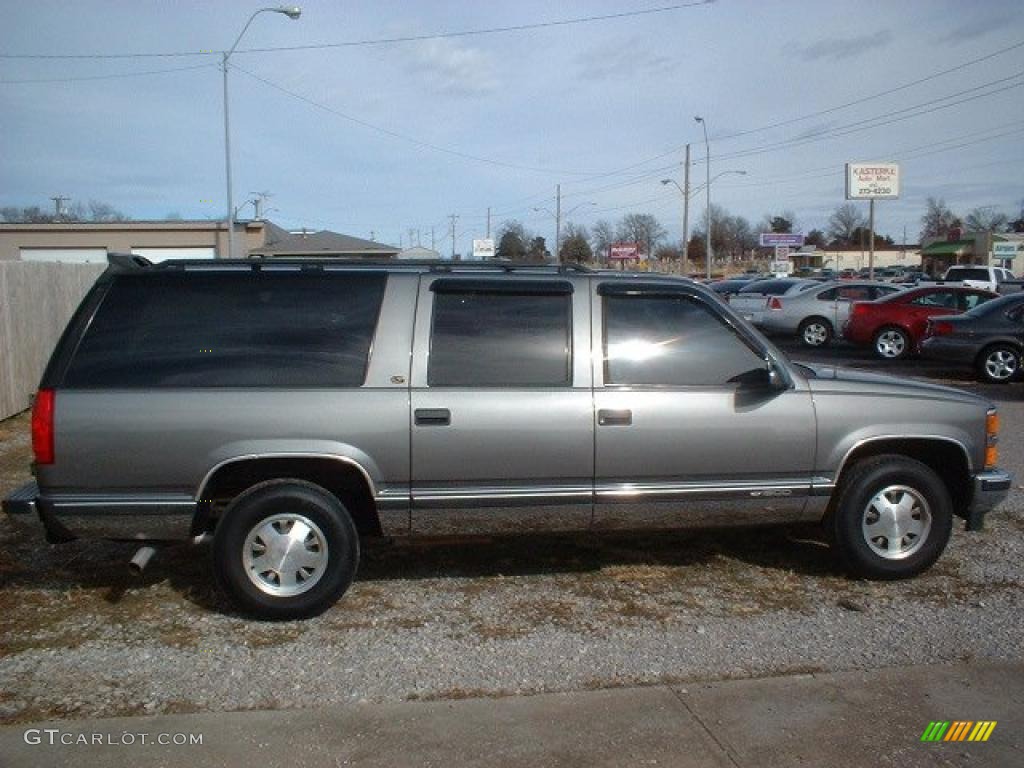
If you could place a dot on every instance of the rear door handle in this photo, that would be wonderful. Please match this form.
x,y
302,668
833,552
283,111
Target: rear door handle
x,y
606,418
432,417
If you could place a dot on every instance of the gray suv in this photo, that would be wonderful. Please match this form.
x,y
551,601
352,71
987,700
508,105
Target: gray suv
x,y
288,408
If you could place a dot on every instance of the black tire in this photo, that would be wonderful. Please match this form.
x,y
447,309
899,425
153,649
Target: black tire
x,y
282,504
858,487
1001,369
891,337
810,338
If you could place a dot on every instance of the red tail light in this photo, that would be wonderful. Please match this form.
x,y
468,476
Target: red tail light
x,y
858,308
42,426
939,329
774,303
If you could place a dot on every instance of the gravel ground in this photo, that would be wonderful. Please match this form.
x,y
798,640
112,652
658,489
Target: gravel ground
x,y
79,638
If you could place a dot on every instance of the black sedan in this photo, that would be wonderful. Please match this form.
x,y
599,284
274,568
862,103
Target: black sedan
x,y
990,338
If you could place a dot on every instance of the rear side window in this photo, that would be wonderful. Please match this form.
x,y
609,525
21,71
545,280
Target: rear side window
x,y
500,339
230,329
671,341
957,273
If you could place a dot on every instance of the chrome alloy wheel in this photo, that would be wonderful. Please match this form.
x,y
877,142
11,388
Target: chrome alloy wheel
x,y
285,555
896,522
891,344
815,334
1001,364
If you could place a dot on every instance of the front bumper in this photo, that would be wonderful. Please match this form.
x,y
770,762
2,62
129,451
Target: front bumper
x,y
123,518
990,488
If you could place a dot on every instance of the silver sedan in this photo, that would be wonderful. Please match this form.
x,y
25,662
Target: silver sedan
x,y
816,315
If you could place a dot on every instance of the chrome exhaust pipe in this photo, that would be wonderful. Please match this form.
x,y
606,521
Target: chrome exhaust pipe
x,y
141,559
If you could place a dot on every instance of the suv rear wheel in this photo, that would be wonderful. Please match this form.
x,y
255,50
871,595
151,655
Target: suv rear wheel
x,y
285,549
893,518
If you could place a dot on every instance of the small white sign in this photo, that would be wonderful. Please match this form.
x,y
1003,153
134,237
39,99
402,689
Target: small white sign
x,y
483,249
866,181
782,268
1006,250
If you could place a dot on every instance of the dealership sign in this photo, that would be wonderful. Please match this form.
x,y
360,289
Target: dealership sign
x,y
483,249
872,181
770,239
624,251
1007,250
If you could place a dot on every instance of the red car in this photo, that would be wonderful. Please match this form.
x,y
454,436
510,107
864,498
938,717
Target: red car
x,y
894,325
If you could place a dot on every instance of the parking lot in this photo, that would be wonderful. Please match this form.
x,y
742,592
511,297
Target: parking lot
x,y
458,618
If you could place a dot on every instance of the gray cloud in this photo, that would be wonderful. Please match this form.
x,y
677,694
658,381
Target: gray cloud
x,y
839,48
451,68
977,28
623,59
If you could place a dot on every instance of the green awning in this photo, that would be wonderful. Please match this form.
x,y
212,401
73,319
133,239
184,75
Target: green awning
x,y
947,248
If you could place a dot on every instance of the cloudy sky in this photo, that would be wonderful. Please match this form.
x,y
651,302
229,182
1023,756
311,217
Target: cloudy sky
x,y
392,136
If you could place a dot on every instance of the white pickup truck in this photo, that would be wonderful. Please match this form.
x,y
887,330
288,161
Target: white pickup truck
x,y
978,276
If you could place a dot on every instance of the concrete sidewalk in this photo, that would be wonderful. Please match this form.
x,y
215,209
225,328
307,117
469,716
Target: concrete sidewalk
x,y
845,719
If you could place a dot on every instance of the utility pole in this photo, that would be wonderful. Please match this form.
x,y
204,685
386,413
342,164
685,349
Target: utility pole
x,y
686,210
871,239
454,217
373,236
707,190
58,204
258,202
432,239
488,222
558,222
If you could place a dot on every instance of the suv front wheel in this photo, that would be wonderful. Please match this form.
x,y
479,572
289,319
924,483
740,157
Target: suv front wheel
x,y
892,519
285,549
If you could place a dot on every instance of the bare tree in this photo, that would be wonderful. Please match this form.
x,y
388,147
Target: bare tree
x,y
602,235
641,228
731,236
844,223
986,219
938,219
100,211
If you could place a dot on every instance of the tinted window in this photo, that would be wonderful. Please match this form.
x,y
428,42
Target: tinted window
x,y
972,300
500,340
937,299
879,290
770,287
829,295
224,329
957,273
670,341
855,293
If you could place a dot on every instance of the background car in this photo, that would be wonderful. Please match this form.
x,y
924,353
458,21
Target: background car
x,y
990,337
751,300
726,288
894,325
814,315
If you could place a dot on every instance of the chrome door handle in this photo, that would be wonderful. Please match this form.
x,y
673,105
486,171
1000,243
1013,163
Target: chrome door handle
x,y
606,418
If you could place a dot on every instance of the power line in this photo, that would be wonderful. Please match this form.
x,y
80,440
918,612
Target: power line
x,y
382,40
402,136
107,77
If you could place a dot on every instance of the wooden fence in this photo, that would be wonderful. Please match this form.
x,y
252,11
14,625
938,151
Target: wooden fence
x,y
36,301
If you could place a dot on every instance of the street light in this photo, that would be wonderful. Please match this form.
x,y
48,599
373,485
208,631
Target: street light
x,y
707,168
686,204
558,223
292,12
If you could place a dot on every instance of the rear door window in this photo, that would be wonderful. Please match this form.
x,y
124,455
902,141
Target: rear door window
x,y
230,329
496,337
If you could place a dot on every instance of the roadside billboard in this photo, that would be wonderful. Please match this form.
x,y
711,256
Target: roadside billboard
x,y
624,251
872,181
483,249
775,239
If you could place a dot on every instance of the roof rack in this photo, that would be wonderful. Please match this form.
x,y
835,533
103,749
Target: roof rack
x,y
123,262
127,262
